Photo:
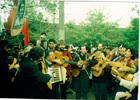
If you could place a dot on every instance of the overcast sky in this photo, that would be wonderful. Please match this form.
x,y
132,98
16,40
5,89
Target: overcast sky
x,y
117,10
77,10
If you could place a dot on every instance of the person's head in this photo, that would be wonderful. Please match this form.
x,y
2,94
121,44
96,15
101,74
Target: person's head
x,y
129,53
5,45
136,60
122,51
68,47
108,50
49,55
36,53
92,50
51,44
32,42
43,36
88,48
98,58
100,46
26,50
83,49
61,45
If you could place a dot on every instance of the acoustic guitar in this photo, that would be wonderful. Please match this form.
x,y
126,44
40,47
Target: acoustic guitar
x,y
101,65
62,58
118,65
44,71
76,71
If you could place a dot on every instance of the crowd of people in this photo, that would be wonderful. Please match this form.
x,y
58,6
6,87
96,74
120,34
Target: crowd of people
x,y
107,71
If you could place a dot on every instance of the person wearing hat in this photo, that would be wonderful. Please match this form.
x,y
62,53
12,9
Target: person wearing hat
x,y
5,73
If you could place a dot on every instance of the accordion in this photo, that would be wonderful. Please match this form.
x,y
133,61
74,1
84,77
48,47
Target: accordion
x,y
58,74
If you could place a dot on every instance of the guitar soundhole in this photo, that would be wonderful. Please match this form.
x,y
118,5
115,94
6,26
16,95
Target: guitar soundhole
x,y
100,65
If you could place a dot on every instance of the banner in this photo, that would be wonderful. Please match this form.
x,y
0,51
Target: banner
x,y
25,32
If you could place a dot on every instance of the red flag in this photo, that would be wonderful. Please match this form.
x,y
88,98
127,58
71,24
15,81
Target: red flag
x,y
25,32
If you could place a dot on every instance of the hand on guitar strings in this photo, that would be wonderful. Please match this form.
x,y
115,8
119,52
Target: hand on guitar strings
x,y
122,70
95,69
58,61
79,64
17,66
115,74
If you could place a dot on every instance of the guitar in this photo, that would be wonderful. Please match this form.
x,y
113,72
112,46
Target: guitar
x,y
111,53
118,65
62,58
101,65
44,71
15,61
76,71
15,20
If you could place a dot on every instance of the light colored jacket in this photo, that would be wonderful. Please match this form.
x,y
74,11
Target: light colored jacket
x,y
130,84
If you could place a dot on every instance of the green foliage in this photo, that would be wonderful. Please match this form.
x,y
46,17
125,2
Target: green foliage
x,y
96,30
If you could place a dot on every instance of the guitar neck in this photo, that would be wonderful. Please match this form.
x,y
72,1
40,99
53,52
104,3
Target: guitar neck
x,y
91,56
110,62
70,62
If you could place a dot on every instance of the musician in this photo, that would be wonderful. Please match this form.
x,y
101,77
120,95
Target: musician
x,y
109,53
5,73
130,85
100,48
30,81
100,83
125,61
81,82
92,50
42,41
51,44
63,52
121,53
49,60
136,62
32,42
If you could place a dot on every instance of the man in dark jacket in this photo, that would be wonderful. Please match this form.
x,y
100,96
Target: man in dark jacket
x,y
5,73
81,82
30,81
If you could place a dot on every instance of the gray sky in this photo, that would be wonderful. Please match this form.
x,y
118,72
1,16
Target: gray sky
x,y
117,10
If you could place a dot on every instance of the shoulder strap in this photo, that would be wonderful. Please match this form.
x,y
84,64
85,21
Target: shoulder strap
x,y
121,59
128,62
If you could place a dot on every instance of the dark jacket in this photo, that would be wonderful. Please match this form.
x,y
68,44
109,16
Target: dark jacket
x,y
81,82
30,81
6,75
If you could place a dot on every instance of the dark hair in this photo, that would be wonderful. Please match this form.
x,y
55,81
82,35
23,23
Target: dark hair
x,y
67,46
132,51
133,54
81,46
44,33
5,43
36,52
33,41
109,48
51,40
88,48
47,52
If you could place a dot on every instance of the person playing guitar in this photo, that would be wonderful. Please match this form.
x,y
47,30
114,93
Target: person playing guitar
x,y
81,82
63,52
